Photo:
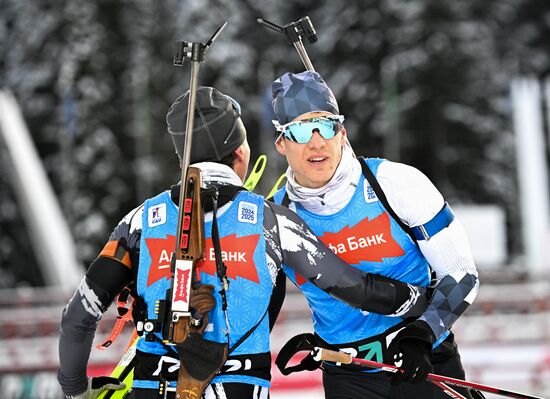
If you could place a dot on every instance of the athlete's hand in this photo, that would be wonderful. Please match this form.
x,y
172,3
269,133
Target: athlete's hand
x,y
411,351
97,385
202,300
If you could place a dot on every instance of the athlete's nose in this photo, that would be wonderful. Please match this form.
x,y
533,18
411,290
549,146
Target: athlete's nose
x,y
316,140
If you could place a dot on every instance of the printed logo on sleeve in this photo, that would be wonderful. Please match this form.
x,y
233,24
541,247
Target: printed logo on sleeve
x,y
157,215
370,195
248,212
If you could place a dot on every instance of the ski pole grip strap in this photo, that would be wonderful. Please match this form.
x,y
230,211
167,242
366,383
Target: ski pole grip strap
x,y
302,342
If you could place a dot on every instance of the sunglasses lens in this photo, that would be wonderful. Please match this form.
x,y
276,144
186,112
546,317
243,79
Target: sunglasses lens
x,y
301,132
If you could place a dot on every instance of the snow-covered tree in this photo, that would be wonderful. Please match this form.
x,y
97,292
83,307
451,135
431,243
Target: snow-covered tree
x,y
421,81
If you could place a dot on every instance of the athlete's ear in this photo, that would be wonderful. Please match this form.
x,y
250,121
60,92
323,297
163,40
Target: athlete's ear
x,y
343,136
239,153
280,146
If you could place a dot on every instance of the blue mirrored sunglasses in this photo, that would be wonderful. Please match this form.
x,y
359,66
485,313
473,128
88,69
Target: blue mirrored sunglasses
x,y
302,131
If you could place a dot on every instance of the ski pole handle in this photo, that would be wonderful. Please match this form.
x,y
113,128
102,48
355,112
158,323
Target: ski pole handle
x,y
331,356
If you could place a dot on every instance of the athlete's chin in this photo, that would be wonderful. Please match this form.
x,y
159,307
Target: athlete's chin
x,y
318,178
322,171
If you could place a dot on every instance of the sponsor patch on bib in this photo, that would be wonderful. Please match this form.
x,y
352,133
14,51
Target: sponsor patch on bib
x,y
248,212
157,215
370,195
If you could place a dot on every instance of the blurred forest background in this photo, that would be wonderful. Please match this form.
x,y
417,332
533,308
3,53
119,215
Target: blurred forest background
x,y
425,82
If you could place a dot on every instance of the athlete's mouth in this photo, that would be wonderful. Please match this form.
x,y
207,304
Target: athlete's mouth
x,y
317,159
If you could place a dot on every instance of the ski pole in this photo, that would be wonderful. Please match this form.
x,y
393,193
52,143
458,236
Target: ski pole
x,y
448,390
330,355
293,33
345,358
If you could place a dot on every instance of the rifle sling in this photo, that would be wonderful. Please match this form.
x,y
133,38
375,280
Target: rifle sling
x,y
221,268
214,194
373,182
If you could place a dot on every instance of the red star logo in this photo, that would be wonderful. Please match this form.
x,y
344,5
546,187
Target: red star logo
x,y
160,250
368,241
237,254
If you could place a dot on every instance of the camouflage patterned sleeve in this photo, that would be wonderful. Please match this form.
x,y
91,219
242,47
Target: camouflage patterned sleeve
x,y
456,278
294,245
452,295
105,278
128,233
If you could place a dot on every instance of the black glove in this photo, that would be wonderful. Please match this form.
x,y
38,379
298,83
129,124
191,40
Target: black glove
x,y
411,351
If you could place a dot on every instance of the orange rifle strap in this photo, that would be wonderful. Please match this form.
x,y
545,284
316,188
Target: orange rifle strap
x,y
124,315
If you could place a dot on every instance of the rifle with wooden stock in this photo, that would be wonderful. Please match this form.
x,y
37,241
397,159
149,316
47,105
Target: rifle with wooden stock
x,y
184,330
184,324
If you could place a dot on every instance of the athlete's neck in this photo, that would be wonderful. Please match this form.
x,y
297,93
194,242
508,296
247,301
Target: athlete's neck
x,y
334,195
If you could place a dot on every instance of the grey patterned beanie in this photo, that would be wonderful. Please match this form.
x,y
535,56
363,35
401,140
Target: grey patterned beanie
x,y
297,94
217,128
